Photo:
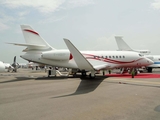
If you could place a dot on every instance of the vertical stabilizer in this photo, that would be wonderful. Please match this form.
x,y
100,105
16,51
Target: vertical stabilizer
x,y
14,60
121,44
33,38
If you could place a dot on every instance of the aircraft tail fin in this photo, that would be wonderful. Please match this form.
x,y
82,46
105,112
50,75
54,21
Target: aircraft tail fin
x,y
122,45
14,65
14,60
33,39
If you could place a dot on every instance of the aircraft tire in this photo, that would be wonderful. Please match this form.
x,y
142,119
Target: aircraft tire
x,y
92,77
83,73
149,70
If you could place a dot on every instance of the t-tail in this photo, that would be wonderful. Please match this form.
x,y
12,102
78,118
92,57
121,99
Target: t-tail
x,y
122,45
33,38
33,41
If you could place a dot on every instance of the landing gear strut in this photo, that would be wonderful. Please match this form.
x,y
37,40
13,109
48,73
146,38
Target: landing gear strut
x,y
149,69
92,74
83,73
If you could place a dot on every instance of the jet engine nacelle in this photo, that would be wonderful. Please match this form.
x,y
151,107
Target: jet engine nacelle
x,y
144,52
57,55
2,67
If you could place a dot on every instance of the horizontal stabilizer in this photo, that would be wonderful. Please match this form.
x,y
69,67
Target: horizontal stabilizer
x,y
81,61
28,45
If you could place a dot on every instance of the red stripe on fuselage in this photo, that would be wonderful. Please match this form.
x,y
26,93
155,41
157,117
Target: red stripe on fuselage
x,y
95,57
113,61
31,31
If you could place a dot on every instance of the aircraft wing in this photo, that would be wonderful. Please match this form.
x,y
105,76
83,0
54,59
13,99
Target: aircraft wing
x,y
28,45
81,61
100,67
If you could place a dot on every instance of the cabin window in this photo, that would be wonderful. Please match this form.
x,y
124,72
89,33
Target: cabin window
x,y
94,56
106,56
123,56
109,56
116,56
113,56
119,56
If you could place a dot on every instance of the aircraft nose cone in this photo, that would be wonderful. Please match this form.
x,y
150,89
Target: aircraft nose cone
x,y
150,62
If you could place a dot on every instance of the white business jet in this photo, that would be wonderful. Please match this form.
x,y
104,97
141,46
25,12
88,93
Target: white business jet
x,y
122,45
8,67
5,67
39,51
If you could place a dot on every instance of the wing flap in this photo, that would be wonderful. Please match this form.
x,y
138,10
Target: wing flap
x,y
100,67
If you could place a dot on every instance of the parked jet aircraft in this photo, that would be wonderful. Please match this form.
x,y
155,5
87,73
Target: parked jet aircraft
x,y
39,51
122,45
9,67
5,67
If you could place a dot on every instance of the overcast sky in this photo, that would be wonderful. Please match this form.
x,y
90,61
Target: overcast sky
x,y
89,24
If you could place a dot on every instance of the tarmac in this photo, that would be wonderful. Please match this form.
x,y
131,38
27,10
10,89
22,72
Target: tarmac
x,y
31,95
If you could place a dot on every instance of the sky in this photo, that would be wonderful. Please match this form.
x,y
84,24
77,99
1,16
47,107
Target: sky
x,y
88,24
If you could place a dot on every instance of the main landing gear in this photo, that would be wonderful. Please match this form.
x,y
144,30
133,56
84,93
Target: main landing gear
x,y
149,69
83,73
91,75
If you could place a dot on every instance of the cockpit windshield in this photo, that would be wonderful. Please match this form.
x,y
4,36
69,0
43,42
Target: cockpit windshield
x,y
141,55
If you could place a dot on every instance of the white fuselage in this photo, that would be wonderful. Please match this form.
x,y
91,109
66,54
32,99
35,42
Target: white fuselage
x,y
7,65
113,59
155,59
143,52
122,45
2,66
32,65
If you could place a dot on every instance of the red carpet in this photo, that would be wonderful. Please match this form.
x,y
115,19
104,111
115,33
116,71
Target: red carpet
x,y
140,75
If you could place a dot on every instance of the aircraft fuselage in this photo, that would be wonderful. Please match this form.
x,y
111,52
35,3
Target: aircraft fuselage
x,y
114,59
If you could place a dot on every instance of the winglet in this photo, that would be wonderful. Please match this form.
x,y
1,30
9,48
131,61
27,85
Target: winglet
x,y
80,60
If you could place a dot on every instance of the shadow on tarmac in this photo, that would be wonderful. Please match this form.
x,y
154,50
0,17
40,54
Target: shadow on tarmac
x,y
86,85
144,85
70,77
51,78
157,108
17,79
